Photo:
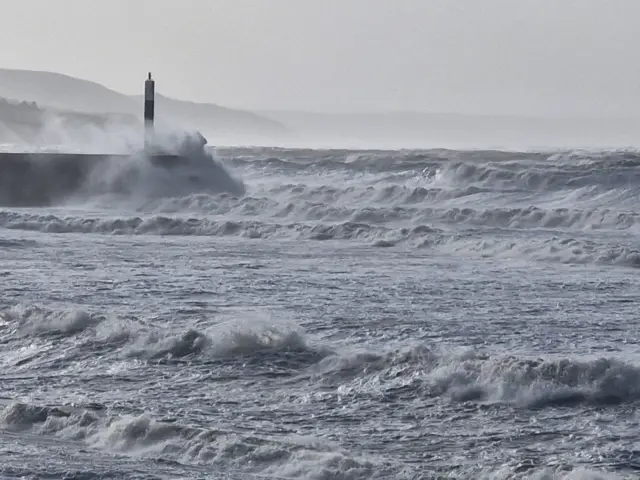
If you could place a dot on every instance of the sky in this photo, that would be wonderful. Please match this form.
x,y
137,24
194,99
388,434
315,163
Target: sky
x,y
531,57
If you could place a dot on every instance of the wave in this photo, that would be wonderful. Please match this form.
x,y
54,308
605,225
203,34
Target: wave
x,y
570,179
404,373
400,160
250,341
162,225
555,248
486,203
418,372
229,452
420,375
397,205
413,375
236,454
33,320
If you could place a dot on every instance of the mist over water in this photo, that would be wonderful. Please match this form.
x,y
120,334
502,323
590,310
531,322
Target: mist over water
x,y
353,314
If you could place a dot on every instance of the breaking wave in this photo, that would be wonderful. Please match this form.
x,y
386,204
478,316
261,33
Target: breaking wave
x,y
90,346
251,341
404,373
49,178
572,207
235,454
229,451
418,372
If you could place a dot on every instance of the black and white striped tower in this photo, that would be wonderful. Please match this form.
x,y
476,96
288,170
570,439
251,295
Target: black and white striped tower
x,y
149,107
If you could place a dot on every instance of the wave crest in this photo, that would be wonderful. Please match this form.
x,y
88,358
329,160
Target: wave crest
x,y
418,372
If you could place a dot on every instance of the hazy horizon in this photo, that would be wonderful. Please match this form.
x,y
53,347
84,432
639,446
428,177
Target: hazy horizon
x,y
344,113
389,130
498,57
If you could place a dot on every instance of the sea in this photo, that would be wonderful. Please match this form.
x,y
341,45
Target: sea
x,y
356,314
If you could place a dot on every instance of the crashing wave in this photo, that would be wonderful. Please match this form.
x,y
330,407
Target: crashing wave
x,y
180,165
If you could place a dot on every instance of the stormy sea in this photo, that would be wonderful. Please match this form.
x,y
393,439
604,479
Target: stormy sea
x,y
410,314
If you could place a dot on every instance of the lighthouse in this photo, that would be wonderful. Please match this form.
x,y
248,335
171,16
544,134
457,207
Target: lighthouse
x,y
149,107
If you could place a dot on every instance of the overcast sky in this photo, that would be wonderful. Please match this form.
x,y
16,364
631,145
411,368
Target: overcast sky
x,y
557,57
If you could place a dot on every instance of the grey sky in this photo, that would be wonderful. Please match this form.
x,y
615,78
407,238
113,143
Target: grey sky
x,y
493,56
